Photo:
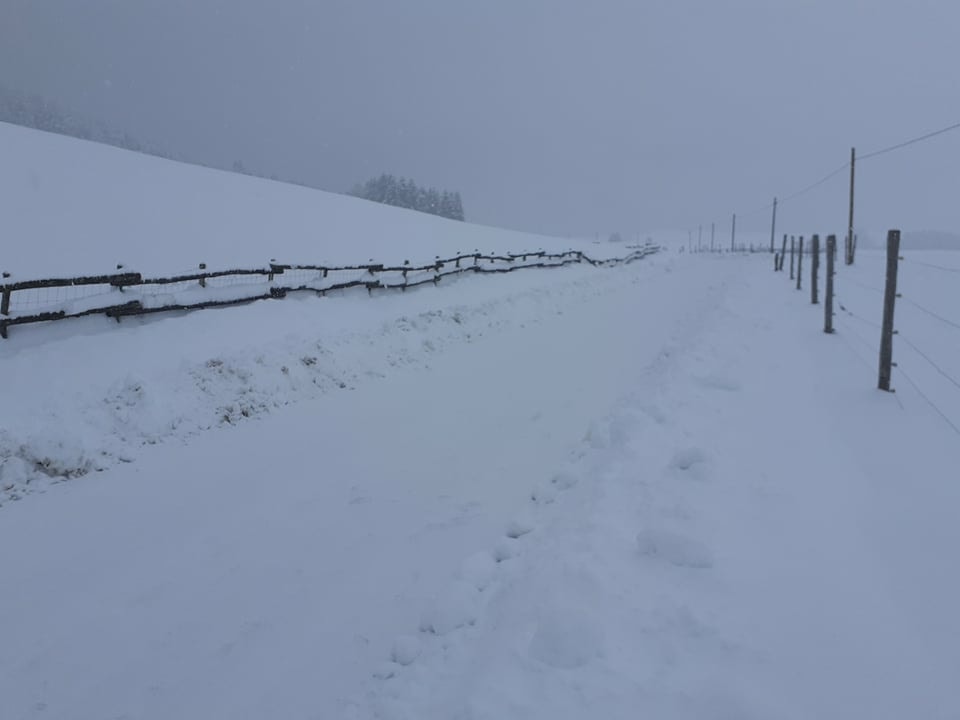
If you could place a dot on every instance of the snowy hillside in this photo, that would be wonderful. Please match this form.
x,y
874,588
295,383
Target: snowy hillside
x,y
73,207
656,490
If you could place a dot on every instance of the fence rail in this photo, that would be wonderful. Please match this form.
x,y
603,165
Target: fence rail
x,y
124,294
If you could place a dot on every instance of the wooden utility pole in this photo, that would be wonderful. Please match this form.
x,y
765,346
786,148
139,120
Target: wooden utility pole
x,y
814,269
733,234
849,245
889,302
828,290
800,264
773,224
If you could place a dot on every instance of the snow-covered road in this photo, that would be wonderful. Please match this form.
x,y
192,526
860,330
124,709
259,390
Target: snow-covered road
x,y
648,491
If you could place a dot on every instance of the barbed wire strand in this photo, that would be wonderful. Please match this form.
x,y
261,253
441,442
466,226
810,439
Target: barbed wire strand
x,y
930,312
929,401
848,329
931,265
926,357
870,346
865,286
852,314
853,349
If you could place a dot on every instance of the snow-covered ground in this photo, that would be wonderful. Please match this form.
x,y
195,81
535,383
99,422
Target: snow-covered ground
x,y
656,490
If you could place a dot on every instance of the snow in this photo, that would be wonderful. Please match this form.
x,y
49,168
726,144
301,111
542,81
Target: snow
x,y
160,217
657,490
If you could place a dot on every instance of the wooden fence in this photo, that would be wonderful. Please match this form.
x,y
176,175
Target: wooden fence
x,y
130,293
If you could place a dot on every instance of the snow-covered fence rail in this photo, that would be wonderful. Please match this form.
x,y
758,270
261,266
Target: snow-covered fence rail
x,y
130,293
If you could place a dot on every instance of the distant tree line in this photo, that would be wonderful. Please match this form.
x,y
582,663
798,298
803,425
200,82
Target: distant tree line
x,y
39,113
36,112
405,193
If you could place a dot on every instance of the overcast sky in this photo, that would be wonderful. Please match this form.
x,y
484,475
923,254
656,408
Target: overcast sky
x,y
559,116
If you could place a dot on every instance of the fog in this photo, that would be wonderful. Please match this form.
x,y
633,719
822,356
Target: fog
x,y
547,115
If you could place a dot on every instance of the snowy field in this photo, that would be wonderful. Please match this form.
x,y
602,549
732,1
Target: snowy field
x,y
657,490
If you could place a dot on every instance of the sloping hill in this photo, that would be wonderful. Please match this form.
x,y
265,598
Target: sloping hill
x,y
72,207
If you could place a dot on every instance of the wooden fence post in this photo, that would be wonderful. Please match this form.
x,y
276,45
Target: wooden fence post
x,y
889,302
783,252
203,280
776,261
828,289
800,263
814,269
5,303
848,257
773,224
793,242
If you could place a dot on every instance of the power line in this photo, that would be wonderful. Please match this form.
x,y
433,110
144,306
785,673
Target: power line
x,y
936,367
846,165
904,144
815,185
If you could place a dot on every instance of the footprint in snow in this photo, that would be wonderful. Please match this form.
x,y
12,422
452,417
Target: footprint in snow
x,y
566,637
506,549
688,459
674,549
457,606
544,494
520,526
406,649
479,570
564,480
720,382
